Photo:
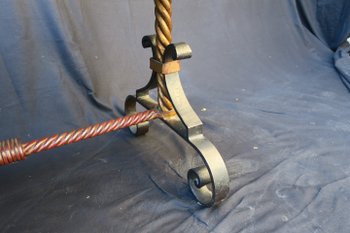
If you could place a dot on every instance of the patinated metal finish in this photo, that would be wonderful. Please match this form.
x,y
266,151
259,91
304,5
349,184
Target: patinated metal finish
x,y
164,68
209,182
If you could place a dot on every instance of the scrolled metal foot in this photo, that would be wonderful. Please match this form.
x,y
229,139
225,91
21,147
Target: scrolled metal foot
x,y
198,179
209,183
130,109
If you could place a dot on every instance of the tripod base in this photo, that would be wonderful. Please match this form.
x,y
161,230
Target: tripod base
x,y
210,182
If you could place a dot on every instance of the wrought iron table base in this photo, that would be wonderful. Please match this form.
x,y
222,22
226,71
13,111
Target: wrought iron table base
x,y
210,182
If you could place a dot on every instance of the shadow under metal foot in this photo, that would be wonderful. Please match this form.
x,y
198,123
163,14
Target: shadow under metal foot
x,y
209,183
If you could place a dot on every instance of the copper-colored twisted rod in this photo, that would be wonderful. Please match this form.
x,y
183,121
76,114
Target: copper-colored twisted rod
x,y
163,27
12,150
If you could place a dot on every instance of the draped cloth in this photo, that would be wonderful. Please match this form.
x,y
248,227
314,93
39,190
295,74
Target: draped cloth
x,y
268,79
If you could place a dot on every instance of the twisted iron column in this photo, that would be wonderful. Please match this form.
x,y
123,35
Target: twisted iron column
x,y
163,28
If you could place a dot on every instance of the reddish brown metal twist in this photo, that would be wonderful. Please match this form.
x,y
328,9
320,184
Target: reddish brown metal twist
x,y
12,151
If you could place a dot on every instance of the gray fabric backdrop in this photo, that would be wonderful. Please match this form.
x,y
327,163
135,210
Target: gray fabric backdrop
x,y
264,70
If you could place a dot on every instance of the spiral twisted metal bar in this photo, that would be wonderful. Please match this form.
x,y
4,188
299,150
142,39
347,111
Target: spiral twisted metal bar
x,y
12,151
163,27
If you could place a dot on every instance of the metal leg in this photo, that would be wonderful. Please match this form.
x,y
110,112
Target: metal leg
x,y
209,183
